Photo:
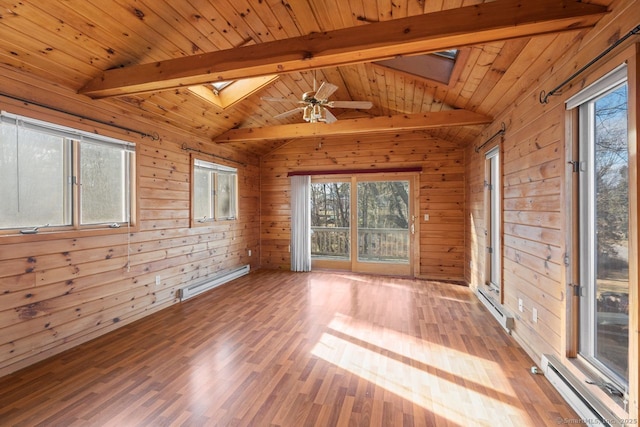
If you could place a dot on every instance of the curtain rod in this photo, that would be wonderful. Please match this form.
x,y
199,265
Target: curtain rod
x,y
153,136
355,171
503,129
196,150
544,97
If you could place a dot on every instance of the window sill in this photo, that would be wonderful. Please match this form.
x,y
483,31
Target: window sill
x,y
14,236
213,223
582,369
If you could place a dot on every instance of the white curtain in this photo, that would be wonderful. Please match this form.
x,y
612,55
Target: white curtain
x,y
301,223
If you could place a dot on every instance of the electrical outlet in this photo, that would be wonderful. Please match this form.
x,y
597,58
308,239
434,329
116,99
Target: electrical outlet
x,y
534,315
249,252
157,280
520,305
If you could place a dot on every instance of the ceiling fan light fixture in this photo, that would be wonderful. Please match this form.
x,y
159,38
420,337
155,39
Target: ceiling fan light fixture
x,y
317,111
307,113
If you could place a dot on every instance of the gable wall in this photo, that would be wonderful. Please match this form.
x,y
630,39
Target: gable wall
x,y
441,191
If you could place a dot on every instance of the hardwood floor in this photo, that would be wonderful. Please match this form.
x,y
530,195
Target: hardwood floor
x,y
295,349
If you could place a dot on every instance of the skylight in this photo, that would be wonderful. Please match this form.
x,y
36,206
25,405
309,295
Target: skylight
x,y
451,53
234,90
218,86
437,66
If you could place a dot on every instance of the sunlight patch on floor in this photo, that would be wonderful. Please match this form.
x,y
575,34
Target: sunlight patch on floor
x,y
485,372
445,381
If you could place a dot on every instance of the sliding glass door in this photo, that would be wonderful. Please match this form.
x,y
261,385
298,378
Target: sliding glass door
x,y
363,224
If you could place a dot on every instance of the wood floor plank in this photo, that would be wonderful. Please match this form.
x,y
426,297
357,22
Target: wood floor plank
x,y
294,349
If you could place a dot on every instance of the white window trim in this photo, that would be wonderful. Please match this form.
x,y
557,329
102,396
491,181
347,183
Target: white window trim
x,y
610,80
587,250
62,131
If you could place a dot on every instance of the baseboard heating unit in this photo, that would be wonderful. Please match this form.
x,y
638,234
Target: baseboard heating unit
x,y
576,392
212,282
502,316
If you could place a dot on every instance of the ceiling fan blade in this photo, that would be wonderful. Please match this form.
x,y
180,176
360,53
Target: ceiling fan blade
x,y
325,91
288,113
274,99
361,105
329,117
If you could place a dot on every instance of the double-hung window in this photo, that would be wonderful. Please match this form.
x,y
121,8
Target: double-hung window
x,y
59,177
603,170
215,192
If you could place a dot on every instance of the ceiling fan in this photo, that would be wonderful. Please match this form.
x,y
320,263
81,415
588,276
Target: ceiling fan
x,y
317,104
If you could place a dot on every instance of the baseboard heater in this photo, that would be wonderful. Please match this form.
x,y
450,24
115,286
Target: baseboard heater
x,y
588,407
501,315
212,282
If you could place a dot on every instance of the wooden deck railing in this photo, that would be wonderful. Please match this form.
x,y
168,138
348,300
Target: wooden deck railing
x,y
330,242
374,244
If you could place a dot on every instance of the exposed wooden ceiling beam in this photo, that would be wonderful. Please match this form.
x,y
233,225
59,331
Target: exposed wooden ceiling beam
x,y
402,122
448,29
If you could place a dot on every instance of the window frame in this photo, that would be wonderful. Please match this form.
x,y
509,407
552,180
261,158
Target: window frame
x,y
72,139
214,169
583,312
353,264
493,212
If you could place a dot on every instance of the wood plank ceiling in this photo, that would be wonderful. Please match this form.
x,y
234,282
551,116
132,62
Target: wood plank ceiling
x,y
72,42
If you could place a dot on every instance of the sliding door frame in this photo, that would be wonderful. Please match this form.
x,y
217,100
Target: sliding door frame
x,y
411,269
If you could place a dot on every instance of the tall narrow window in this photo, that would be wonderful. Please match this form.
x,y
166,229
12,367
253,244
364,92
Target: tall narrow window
x,y
215,192
604,225
494,247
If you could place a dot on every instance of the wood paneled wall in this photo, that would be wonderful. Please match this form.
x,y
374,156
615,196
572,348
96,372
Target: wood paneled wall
x,y
535,214
441,192
57,291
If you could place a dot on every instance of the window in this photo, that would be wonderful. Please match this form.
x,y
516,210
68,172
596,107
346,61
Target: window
x,y
226,94
437,66
494,249
218,86
215,193
56,176
604,225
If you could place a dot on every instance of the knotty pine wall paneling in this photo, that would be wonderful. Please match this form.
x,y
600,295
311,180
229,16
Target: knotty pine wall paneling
x,y
535,188
441,238
59,290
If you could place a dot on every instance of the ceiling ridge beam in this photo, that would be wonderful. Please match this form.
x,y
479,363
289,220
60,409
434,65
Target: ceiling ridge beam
x,y
401,122
437,31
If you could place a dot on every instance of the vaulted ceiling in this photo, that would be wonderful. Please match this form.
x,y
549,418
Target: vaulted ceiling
x,y
144,55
